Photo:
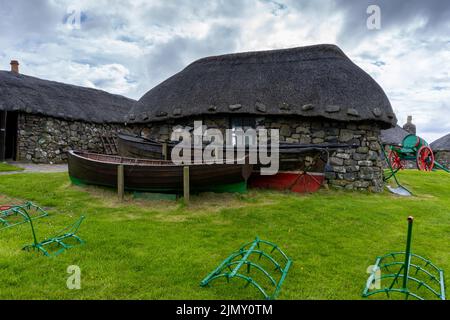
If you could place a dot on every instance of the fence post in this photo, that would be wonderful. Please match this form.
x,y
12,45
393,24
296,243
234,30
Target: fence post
x,y
120,182
186,184
164,150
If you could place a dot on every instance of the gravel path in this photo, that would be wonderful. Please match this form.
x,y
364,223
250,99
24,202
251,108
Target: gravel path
x,y
32,167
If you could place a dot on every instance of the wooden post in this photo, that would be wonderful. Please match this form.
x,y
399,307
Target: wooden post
x,y
164,150
120,182
186,184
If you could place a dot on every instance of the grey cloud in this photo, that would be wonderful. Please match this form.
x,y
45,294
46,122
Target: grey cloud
x,y
21,19
152,40
394,13
167,59
437,124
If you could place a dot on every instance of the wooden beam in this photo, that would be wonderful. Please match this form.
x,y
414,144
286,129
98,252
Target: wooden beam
x,y
164,150
186,185
120,182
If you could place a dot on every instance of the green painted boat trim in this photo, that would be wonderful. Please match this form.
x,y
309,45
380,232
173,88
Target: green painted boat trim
x,y
240,187
154,196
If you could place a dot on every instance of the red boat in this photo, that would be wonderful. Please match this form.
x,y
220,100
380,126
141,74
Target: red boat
x,y
295,181
302,170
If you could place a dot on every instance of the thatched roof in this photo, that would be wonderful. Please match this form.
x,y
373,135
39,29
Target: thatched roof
x,y
441,144
313,81
19,92
393,136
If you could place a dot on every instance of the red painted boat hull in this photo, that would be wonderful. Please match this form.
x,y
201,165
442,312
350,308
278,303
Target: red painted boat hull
x,y
300,182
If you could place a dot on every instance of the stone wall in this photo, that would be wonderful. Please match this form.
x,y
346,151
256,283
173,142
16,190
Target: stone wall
x,y
47,140
355,168
443,157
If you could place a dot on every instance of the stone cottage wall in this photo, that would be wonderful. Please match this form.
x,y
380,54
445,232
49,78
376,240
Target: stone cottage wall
x,y
356,168
443,157
47,140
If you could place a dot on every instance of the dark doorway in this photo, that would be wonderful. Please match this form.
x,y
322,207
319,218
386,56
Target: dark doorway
x,y
11,136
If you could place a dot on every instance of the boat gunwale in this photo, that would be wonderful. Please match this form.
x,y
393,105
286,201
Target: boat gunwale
x,y
149,162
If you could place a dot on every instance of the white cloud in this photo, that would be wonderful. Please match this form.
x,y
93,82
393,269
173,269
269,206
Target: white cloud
x,y
128,47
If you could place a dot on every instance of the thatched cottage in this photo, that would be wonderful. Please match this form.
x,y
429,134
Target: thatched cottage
x,y
441,149
393,136
40,120
313,94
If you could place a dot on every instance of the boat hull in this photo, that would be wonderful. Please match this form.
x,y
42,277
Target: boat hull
x,y
137,147
295,181
156,175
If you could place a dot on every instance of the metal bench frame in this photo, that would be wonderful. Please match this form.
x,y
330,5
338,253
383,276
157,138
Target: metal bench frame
x,y
231,267
20,210
424,267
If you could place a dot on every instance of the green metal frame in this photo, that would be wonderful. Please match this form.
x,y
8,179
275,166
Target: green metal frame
x,y
63,235
406,262
231,267
440,166
20,210
392,174
410,146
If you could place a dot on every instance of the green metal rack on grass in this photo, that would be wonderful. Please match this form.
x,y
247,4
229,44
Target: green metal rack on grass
x,y
231,267
13,215
65,239
400,189
412,270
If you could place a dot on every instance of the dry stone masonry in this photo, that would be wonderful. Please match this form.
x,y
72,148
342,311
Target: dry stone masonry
x,y
356,168
443,157
47,139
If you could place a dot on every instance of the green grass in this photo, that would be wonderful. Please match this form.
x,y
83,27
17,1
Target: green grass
x,y
4,167
143,249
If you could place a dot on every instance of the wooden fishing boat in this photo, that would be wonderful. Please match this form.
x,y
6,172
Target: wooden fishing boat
x,y
134,146
301,170
295,181
156,175
138,147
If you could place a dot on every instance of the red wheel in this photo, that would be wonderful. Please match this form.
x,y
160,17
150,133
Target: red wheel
x,y
425,159
394,159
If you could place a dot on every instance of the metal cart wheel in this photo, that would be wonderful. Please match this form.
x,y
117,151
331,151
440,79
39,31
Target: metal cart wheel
x,y
425,159
396,162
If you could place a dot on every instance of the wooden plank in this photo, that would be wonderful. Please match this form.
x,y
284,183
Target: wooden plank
x,y
164,150
108,144
103,143
186,184
120,182
114,145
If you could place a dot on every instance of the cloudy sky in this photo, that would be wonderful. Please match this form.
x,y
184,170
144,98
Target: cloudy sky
x,y
127,47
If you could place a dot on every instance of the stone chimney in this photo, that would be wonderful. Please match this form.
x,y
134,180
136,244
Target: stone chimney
x,y
409,126
14,66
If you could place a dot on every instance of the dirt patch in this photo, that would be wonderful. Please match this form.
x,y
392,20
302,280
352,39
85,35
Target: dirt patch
x,y
7,200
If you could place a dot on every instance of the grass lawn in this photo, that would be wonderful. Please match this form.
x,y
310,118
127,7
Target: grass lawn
x,y
143,249
4,167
